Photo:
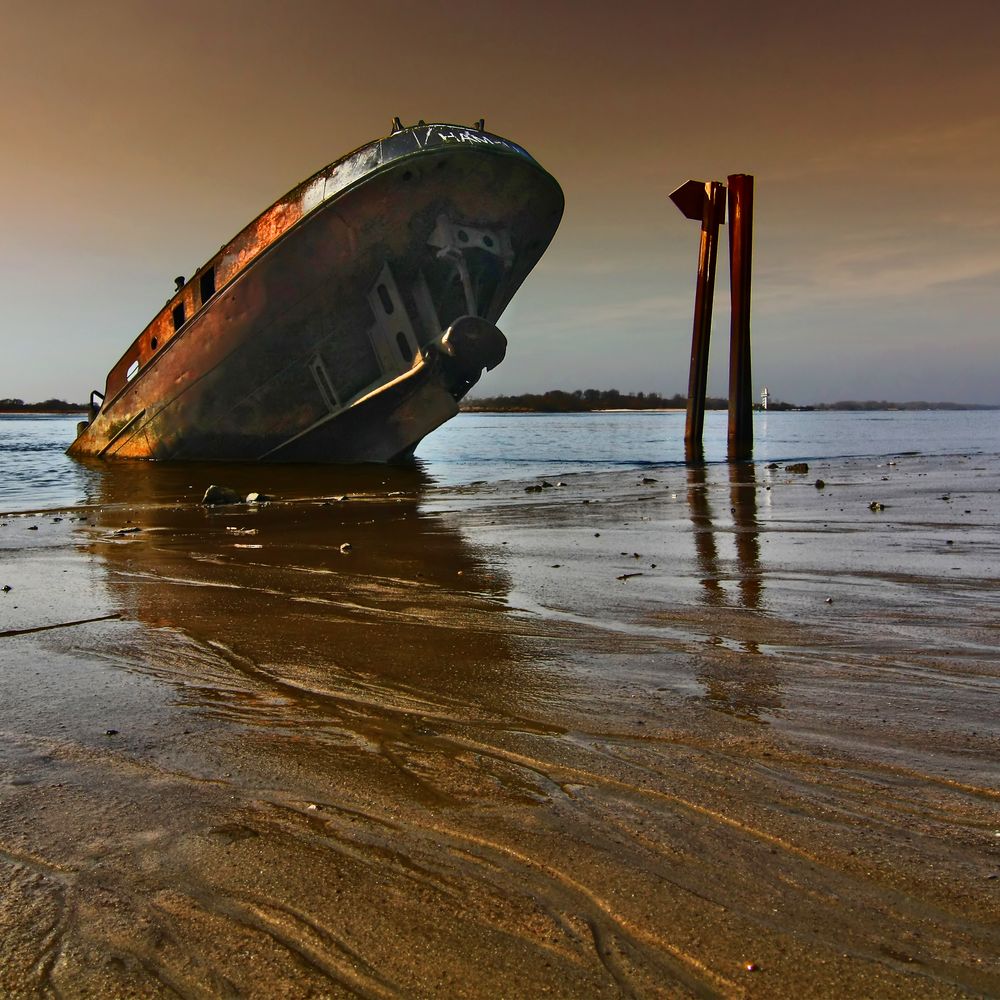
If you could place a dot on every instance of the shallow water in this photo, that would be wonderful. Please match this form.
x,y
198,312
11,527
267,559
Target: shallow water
x,y
36,474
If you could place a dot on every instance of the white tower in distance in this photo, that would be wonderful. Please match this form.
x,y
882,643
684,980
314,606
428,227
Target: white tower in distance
x,y
763,398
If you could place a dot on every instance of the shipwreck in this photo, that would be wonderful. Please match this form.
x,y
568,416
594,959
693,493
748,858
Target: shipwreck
x,y
345,322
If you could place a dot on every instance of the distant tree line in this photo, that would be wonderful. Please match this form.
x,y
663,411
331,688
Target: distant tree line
x,y
583,401
586,400
48,406
882,404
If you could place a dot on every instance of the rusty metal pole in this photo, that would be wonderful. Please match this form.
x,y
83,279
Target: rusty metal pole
x,y
704,201
740,254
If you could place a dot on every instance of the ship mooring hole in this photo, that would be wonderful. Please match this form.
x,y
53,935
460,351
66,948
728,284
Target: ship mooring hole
x,y
178,315
386,299
404,347
152,343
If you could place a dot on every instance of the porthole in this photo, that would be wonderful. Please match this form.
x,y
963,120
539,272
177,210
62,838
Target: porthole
x,y
152,343
463,236
386,299
487,241
207,284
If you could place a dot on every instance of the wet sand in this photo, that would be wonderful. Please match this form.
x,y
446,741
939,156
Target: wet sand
x,y
675,733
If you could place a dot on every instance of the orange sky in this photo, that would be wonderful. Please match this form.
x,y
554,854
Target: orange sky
x,y
138,137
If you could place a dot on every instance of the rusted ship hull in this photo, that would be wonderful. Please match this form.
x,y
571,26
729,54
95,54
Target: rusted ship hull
x,y
348,320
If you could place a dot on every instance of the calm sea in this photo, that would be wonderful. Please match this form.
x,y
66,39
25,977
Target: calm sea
x,y
36,474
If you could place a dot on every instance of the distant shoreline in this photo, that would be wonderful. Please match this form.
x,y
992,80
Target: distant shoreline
x,y
33,411
614,401
820,408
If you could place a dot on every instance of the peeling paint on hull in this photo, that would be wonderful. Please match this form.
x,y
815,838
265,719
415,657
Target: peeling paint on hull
x,y
344,323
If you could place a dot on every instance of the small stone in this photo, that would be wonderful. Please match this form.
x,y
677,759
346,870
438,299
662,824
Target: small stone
x,y
546,485
110,732
819,484
536,489
800,467
216,496
876,506
259,498
647,480
829,600
752,967
32,527
7,588
597,534
345,548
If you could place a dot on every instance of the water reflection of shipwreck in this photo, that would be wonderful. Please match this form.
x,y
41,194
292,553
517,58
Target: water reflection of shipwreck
x,y
347,321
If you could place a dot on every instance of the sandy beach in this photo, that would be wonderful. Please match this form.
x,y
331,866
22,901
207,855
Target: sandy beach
x,y
715,732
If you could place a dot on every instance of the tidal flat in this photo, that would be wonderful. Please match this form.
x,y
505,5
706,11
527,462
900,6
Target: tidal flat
x,y
714,732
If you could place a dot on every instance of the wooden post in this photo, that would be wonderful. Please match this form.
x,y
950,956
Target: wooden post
x,y
707,202
740,254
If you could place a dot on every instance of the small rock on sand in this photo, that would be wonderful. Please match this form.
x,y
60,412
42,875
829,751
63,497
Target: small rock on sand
x,y
800,467
216,496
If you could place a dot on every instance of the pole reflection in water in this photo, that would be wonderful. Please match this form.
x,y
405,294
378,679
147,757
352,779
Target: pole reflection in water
x,y
706,551
744,685
743,506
